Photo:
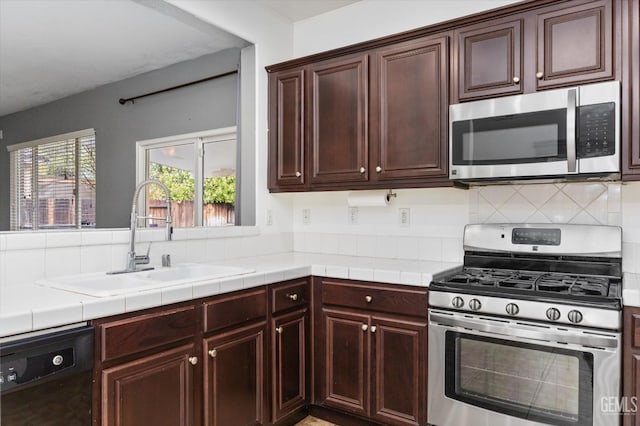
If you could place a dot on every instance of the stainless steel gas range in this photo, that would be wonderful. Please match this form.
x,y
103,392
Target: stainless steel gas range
x,y
527,332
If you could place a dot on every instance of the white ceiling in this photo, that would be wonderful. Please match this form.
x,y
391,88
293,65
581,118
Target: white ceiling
x,y
50,49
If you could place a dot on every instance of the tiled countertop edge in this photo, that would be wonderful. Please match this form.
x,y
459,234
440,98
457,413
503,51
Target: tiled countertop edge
x,y
84,308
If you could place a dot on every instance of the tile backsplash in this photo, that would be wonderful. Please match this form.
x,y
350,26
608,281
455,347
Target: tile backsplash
x,y
580,203
27,257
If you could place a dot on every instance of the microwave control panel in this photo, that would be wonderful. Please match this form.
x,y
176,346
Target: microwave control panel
x,y
596,137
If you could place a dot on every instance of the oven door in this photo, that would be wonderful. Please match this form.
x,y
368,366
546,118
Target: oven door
x,y
492,372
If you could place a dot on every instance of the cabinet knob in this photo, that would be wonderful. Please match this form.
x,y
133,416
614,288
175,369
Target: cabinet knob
x,y
193,360
516,80
373,328
279,330
364,327
368,299
378,169
293,296
539,75
298,174
362,170
213,353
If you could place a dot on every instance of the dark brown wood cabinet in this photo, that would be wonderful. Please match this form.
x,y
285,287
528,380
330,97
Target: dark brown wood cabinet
x,y
287,165
234,377
409,110
631,95
574,43
490,59
373,119
156,389
289,347
374,365
338,120
563,44
631,361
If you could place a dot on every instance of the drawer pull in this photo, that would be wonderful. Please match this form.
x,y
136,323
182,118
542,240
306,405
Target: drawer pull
x,y
293,296
373,328
193,360
364,327
279,330
213,353
539,75
298,174
362,170
368,299
516,80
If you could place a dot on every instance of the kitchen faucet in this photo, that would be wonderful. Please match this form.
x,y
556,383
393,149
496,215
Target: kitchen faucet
x,y
134,260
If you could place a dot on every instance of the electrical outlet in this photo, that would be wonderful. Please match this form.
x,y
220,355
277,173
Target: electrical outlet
x,y
353,215
269,219
405,217
306,216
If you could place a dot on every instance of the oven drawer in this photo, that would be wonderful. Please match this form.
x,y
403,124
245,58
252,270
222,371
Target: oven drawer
x,y
383,298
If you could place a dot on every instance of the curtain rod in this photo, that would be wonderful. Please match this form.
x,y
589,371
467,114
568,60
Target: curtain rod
x,y
180,86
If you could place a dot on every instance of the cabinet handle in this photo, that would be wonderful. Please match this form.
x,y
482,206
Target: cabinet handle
x,y
373,328
193,360
362,170
516,80
293,296
364,327
298,174
539,75
378,169
279,330
368,299
213,353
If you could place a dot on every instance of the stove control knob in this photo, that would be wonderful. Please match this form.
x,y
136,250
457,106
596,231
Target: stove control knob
x,y
575,316
475,304
553,314
457,302
512,309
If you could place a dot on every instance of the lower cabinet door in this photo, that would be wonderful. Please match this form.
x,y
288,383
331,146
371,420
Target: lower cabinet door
x,y
346,371
289,346
154,390
234,377
399,371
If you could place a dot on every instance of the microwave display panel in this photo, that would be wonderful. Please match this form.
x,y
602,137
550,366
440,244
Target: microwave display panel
x,y
519,138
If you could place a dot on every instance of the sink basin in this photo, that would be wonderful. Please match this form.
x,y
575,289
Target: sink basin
x,y
103,285
193,271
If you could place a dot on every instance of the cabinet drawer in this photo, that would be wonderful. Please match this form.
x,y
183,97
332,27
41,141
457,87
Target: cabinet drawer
x,y
131,335
235,309
375,297
290,295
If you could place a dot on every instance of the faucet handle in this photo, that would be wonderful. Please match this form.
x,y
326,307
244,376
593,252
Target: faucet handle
x,y
143,259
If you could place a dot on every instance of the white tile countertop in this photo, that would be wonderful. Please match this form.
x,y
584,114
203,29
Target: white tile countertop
x,y
631,289
31,307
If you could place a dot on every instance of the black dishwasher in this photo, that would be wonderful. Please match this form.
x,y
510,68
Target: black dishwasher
x,y
46,380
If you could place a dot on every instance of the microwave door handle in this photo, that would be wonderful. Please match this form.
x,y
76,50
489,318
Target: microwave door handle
x,y
571,130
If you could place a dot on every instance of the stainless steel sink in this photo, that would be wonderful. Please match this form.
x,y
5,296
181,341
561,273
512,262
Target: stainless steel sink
x,y
103,285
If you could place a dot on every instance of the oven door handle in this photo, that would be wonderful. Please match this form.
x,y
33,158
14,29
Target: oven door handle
x,y
515,331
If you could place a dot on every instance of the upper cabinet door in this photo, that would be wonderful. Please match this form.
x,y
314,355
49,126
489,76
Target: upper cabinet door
x,y
489,60
574,44
286,132
339,120
411,98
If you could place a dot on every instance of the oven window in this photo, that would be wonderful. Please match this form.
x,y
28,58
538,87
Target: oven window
x,y
512,139
535,382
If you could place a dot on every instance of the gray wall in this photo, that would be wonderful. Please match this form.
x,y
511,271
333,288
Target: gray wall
x,y
200,107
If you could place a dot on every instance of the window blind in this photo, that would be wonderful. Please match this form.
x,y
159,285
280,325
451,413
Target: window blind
x,y
53,184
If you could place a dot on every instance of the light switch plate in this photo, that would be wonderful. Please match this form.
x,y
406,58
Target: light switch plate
x,y
306,216
269,219
353,215
404,217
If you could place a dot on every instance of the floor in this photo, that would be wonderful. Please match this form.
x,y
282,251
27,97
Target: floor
x,y
312,421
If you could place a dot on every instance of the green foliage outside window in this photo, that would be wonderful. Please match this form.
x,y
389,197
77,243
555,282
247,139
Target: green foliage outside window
x,y
221,189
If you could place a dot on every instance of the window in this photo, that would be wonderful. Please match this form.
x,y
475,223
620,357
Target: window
x,y
200,172
53,182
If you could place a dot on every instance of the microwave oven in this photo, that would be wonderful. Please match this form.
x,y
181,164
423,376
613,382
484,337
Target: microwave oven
x,y
555,134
